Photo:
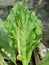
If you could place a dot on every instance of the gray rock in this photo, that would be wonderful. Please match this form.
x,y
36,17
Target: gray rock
x,y
7,2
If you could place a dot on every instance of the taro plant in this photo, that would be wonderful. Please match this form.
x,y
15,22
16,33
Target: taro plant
x,y
21,31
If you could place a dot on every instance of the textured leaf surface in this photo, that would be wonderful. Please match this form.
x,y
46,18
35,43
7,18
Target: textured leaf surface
x,y
45,60
23,30
30,30
4,43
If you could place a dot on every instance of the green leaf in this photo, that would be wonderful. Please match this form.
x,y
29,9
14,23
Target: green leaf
x,y
23,32
27,35
45,60
4,43
2,62
3,38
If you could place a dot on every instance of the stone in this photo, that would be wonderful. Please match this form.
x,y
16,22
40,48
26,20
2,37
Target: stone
x,y
42,50
7,2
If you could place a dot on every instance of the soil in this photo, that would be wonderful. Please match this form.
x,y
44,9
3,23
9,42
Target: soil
x,y
32,62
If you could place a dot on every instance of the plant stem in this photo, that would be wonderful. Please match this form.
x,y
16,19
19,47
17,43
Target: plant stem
x,y
19,38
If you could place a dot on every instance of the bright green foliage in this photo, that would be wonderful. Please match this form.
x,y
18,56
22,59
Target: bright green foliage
x,y
2,62
45,60
30,30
